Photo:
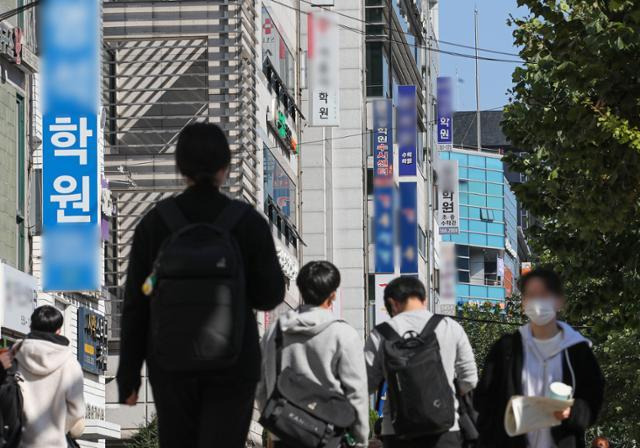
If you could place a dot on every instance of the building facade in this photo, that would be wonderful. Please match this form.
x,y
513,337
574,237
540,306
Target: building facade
x,y
486,256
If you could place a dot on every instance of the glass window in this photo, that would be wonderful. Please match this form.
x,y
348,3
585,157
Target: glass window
x,y
278,186
377,70
494,189
477,187
476,174
495,164
494,202
477,161
476,199
494,176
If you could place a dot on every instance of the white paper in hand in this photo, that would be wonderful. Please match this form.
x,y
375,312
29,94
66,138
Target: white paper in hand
x,y
528,414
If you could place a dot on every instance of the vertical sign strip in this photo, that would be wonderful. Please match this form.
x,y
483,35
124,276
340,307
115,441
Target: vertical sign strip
x,y
448,197
324,71
383,186
408,228
71,75
407,126
445,110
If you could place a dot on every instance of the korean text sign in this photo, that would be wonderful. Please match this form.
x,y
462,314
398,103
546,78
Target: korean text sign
x,y
70,32
448,197
408,227
324,57
383,191
407,130
445,110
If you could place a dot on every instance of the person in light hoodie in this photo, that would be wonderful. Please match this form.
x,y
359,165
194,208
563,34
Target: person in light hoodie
x,y
526,362
319,346
52,384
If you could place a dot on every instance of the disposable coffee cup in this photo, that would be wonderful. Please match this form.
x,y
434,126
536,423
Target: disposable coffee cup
x,y
560,391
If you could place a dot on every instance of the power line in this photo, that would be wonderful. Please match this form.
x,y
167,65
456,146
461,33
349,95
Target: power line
x,y
13,12
387,39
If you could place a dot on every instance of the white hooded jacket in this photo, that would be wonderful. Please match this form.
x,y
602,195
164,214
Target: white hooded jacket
x,y
331,354
541,369
52,391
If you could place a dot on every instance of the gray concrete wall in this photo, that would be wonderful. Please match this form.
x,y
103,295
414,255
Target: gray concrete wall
x,y
8,173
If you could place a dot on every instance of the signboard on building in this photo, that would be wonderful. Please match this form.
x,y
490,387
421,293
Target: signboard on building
x,y
17,299
448,276
445,110
324,59
448,197
384,191
71,201
407,130
11,43
408,227
92,341
382,141
381,282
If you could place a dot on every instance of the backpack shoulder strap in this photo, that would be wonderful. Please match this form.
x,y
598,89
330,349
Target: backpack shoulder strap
x,y
431,325
387,331
171,214
231,215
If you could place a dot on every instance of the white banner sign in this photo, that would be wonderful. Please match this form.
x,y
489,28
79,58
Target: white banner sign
x,y
324,59
448,274
448,197
17,299
381,282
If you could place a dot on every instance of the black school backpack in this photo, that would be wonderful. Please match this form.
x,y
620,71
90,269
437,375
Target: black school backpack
x,y
420,397
301,412
11,409
198,306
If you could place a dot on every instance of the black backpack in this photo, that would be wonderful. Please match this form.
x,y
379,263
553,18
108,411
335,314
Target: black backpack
x,y
198,308
420,397
301,412
11,409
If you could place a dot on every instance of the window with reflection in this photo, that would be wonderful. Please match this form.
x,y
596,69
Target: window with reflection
x,y
278,186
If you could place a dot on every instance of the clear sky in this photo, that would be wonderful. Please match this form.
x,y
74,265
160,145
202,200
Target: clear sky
x,y
456,25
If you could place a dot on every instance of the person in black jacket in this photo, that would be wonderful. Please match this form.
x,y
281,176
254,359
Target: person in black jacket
x,y
529,360
199,410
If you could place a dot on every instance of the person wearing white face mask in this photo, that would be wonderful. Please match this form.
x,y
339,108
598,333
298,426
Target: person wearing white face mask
x,y
542,352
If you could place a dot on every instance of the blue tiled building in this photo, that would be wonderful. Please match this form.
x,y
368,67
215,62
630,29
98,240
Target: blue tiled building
x,y
486,247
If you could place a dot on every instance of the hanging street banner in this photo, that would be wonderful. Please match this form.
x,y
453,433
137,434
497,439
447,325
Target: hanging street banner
x,y
324,59
71,55
448,278
384,228
445,110
381,282
383,189
407,129
448,197
408,227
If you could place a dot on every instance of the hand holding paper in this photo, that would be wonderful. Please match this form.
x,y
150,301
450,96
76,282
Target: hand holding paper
x,y
527,414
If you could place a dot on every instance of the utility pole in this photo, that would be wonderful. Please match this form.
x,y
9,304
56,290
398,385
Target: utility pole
x,y
478,127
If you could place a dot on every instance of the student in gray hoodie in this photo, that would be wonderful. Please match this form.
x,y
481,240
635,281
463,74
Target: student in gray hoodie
x,y
405,299
320,346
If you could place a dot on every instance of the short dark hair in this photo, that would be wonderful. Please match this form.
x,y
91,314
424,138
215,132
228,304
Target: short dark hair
x,y
551,280
47,319
401,288
316,281
202,150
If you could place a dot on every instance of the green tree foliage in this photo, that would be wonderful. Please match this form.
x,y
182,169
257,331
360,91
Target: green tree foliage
x,y
575,113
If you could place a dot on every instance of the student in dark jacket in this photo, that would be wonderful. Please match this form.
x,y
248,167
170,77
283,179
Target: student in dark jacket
x,y
528,361
203,410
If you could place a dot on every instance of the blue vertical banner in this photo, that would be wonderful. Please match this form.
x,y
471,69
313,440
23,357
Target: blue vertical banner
x,y
407,130
383,190
70,31
445,110
408,227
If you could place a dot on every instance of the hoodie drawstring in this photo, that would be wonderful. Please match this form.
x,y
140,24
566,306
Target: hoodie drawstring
x,y
573,374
